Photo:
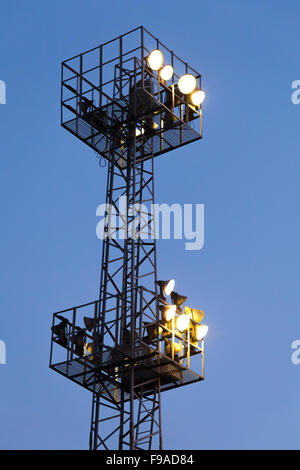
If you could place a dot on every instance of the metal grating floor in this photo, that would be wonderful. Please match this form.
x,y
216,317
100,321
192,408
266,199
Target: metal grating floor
x,y
163,140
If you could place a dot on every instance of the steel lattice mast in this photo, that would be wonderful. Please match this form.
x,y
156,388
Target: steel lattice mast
x,y
119,346
124,264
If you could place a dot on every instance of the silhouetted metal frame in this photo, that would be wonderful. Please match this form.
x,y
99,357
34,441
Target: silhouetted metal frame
x,y
141,51
123,162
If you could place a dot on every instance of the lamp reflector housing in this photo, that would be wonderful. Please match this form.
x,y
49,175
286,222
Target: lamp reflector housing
x,y
166,286
60,329
78,340
197,315
89,323
178,299
152,330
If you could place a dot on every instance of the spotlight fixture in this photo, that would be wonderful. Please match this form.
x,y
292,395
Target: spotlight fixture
x,y
182,322
60,331
155,59
152,330
89,323
187,83
168,312
200,332
166,287
166,72
79,342
195,314
197,97
178,300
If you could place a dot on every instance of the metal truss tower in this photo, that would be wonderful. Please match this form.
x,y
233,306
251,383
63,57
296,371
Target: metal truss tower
x,y
127,261
121,347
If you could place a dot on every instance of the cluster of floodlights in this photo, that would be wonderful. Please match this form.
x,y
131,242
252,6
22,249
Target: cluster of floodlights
x,y
187,321
187,83
173,317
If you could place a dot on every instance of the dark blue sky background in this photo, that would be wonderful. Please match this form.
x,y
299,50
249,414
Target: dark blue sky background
x,y
245,171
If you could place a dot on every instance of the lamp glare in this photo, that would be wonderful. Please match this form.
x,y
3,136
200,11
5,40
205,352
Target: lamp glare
x,y
169,287
197,97
187,83
166,72
183,322
170,312
201,331
155,59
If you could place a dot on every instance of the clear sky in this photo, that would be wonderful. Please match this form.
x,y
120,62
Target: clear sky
x,y
245,171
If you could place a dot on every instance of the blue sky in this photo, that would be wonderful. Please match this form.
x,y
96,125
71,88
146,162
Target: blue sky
x,y
245,171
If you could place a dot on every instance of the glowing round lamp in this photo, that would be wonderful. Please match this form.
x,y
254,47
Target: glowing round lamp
x,y
183,322
170,312
187,83
169,287
166,72
155,59
201,331
197,97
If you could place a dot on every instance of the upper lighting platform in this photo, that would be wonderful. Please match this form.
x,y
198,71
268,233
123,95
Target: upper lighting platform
x,y
131,94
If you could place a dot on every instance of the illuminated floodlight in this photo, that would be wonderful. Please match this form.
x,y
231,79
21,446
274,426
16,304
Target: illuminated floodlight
x,y
201,331
178,299
166,72
187,83
168,312
155,59
197,97
183,322
166,287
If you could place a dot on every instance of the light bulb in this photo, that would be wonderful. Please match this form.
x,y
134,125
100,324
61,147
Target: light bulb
x,y
166,72
187,83
155,59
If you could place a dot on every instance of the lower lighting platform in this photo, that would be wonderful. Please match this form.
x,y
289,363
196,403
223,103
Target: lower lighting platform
x,y
113,375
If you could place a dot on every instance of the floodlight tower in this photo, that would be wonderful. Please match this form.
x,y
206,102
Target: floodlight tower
x,y
130,100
